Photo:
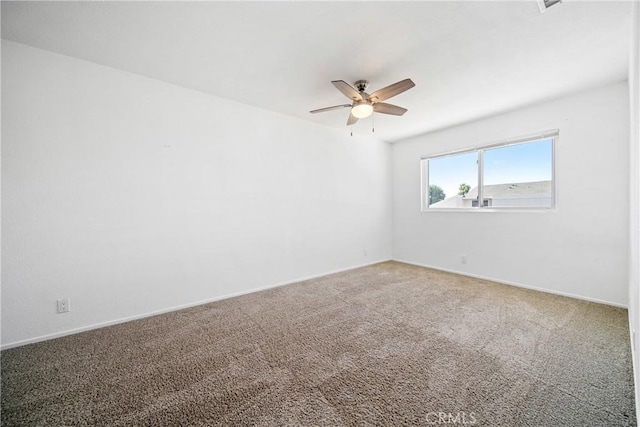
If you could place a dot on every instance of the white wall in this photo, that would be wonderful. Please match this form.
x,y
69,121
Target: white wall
x,y
130,196
580,250
634,241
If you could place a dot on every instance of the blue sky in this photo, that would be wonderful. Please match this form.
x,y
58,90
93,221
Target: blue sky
x,y
526,162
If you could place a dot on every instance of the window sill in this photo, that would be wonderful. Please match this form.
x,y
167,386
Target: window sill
x,y
493,210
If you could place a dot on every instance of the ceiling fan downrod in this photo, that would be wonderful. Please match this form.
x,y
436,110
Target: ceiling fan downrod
x,y
361,85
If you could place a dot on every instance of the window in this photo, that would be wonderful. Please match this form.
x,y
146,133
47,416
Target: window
x,y
514,174
446,174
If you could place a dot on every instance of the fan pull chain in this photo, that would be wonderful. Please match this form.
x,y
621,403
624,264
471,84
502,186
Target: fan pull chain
x,y
373,126
351,130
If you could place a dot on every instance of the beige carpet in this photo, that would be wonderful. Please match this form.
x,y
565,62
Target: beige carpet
x,y
390,344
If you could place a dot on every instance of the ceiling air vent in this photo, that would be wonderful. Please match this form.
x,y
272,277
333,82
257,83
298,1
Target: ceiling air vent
x,y
546,4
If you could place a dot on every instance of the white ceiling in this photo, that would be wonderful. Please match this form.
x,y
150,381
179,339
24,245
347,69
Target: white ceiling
x,y
468,59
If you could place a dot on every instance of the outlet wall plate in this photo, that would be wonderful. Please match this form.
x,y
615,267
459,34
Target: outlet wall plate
x,y
64,305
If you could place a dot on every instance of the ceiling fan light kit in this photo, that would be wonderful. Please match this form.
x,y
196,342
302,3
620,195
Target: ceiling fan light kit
x,y
363,104
361,109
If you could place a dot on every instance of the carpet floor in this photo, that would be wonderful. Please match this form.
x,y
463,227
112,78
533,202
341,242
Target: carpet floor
x,y
389,344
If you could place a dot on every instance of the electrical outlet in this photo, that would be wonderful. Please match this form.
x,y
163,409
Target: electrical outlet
x,y
64,305
463,259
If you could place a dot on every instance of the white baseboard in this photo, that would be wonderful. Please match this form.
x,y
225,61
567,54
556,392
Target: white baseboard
x,y
519,285
175,308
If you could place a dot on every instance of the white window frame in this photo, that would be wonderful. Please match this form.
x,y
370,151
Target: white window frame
x,y
480,149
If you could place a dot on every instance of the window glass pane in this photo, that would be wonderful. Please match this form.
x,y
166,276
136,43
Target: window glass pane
x,y
519,175
453,180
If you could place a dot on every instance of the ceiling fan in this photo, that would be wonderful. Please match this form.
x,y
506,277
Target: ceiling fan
x,y
364,104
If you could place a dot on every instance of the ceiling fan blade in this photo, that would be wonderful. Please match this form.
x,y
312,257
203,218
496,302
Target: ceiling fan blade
x,y
392,90
335,107
384,108
348,90
352,119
